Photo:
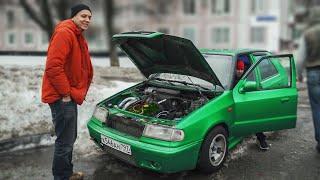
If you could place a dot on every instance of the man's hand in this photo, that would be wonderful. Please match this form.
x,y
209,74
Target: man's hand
x,y
66,99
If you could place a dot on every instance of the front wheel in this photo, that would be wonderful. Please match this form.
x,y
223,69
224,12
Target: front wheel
x,y
214,150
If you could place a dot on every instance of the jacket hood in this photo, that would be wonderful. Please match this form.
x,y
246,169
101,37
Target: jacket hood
x,y
70,25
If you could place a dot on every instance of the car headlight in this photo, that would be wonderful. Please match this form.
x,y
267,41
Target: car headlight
x,y
163,133
101,113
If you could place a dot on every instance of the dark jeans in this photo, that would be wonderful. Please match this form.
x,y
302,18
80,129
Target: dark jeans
x,y
313,82
64,117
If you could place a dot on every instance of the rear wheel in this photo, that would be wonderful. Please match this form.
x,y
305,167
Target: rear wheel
x,y
214,150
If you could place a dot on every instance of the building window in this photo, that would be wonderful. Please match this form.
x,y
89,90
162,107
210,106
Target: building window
x,y
296,33
164,30
258,6
258,35
139,7
220,6
189,7
10,19
27,17
44,38
220,35
92,33
189,33
28,38
118,11
163,7
11,38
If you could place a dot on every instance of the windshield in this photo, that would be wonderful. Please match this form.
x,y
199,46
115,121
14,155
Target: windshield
x,y
222,67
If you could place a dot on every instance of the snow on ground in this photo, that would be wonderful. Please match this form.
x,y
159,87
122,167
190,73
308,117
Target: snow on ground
x,y
22,112
41,60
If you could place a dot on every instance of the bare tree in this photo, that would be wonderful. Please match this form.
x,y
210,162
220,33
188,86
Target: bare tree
x,y
41,12
151,8
62,8
109,16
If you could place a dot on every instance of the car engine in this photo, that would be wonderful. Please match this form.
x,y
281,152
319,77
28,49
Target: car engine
x,y
162,103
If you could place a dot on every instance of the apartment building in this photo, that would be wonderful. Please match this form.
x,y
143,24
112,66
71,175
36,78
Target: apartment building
x,y
262,24
17,31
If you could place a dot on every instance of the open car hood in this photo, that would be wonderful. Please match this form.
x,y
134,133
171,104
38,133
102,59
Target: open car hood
x,y
154,52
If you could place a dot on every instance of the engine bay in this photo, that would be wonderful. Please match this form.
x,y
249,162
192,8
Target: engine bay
x,y
158,102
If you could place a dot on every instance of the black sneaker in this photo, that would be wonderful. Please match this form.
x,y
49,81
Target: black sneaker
x,y
318,147
263,145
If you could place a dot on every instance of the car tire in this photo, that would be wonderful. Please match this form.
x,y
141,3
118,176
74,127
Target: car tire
x,y
214,150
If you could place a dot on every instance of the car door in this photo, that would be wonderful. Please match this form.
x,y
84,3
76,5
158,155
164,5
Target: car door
x,y
266,96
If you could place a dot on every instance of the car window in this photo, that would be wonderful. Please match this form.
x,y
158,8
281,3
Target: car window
x,y
247,62
273,73
222,67
267,69
251,76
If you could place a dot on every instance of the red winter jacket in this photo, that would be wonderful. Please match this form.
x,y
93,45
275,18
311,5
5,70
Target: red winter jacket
x,y
68,68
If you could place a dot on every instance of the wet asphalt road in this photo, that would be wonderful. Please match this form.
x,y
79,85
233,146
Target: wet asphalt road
x,y
292,156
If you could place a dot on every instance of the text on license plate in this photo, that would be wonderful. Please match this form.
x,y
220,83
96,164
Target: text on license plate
x,y
125,148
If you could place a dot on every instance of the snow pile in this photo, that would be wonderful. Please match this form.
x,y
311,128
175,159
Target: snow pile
x,y
25,60
96,94
22,112
241,149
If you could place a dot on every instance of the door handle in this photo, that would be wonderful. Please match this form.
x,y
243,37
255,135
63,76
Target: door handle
x,y
285,100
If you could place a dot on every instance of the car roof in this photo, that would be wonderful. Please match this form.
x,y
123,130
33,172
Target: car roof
x,y
232,52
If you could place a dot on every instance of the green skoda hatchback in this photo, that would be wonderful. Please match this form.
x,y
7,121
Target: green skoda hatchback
x,y
191,109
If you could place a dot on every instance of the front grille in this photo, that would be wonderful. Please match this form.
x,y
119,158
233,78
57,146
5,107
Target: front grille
x,y
125,125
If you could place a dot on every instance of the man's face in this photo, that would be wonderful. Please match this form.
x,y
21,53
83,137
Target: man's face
x,y
239,72
82,19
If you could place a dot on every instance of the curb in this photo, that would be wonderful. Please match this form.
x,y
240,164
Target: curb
x,y
26,142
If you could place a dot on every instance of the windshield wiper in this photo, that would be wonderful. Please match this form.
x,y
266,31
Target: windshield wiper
x,y
181,82
197,85
159,79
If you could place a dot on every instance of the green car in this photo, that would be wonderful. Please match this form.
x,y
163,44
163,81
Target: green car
x,y
192,109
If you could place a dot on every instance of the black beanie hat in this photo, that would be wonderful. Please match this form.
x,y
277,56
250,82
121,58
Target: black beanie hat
x,y
78,7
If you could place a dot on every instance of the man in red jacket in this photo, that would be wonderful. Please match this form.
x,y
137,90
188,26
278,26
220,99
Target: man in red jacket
x,y
67,77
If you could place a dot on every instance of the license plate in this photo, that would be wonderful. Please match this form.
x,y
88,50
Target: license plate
x,y
125,148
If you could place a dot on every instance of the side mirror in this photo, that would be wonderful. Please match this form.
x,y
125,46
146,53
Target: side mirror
x,y
248,86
